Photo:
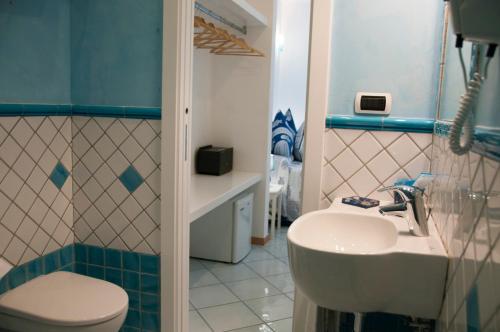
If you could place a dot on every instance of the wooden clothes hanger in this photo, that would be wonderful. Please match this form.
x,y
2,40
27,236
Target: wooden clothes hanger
x,y
220,41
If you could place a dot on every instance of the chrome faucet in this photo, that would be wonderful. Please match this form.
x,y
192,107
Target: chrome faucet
x,y
411,208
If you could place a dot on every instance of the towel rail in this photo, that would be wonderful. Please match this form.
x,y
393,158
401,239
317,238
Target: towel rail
x,y
223,20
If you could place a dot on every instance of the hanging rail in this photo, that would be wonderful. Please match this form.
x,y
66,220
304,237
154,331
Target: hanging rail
x,y
219,41
215,16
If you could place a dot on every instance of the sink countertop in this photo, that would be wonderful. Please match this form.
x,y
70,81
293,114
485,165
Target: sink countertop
x,y
407,242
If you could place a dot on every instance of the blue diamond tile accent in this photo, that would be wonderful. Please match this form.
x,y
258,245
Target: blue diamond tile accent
x,y
59,175
131,179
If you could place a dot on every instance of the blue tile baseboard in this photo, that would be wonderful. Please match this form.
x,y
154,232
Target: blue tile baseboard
x,y
380,123
137,273
59,260
486,140
153,113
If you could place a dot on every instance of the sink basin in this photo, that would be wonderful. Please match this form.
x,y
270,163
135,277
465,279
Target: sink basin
x,y
343,232
353,260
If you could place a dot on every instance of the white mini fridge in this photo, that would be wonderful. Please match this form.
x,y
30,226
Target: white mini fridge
x,y
225,233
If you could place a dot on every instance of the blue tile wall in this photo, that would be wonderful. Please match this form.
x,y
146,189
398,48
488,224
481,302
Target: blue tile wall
x,y
59,260
137,273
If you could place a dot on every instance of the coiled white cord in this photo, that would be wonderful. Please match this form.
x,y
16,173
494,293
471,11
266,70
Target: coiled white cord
x,y
464,120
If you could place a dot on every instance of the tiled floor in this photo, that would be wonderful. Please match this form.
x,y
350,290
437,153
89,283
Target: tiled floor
x,y
254,295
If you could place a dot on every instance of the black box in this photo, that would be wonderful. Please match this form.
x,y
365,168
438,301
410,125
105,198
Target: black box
x,y
214,160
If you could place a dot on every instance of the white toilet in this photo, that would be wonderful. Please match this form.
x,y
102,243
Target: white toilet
x,y
64,302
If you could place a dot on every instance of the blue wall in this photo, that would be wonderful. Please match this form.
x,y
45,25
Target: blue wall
x,y
87,52
35,51
116,52
386,46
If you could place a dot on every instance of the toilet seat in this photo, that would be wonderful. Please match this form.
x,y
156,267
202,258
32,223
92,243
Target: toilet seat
x,y
65,299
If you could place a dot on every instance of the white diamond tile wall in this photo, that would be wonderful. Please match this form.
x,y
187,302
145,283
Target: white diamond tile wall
x,y
36,211
358,162
117,183
465,202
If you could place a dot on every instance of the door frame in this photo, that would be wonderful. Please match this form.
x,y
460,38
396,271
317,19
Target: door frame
x,y
177,64
318,81
177,51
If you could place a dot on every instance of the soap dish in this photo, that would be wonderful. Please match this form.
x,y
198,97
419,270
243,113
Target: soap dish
x,y
362,202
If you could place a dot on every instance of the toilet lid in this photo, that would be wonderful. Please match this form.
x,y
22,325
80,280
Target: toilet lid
x,y
65,299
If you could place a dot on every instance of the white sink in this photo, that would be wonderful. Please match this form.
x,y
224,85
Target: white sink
x,y
354,260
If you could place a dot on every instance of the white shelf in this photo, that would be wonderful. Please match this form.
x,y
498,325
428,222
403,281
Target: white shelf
x,y
208,192
239,11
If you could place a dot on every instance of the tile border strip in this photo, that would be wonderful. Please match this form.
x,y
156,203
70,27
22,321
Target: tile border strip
x,y
152,113
131,112
410,125
486,140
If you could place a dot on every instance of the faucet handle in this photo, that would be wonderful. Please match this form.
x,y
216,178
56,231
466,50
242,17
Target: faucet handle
x,y
408,193
413,197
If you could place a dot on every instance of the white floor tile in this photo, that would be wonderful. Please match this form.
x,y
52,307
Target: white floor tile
x,y
258,255
272,308
291,295
200,278
278,251
208,296
283,282
269,267
252,288
285,260
214,265
195,264
262,281
279,241
233,273
229,317
197,324
284,325
255,328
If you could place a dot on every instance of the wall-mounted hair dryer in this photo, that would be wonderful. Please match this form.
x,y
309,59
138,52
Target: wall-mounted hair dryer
x,y
477,21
